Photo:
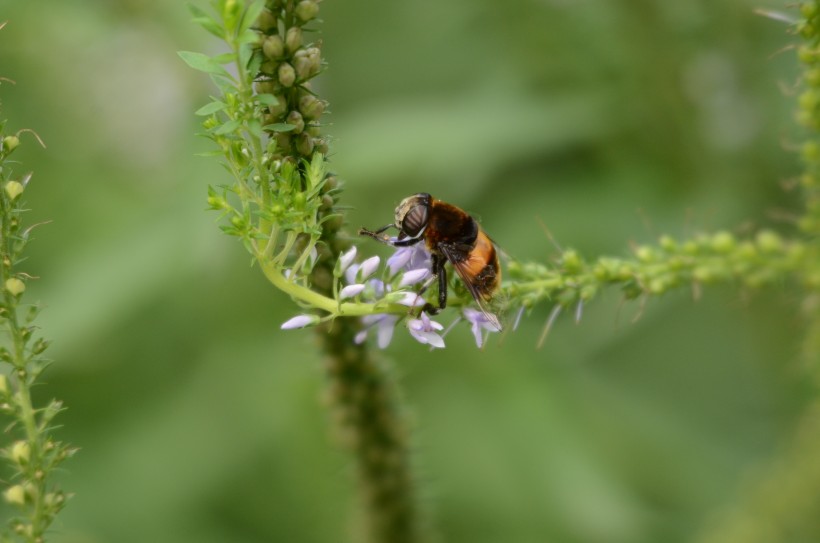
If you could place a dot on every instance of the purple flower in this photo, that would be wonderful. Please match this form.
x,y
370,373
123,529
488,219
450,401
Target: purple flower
x,y
414,276
383,323
410,299
368,267
479,322
299,321
409,258
351,290
426,331
346,259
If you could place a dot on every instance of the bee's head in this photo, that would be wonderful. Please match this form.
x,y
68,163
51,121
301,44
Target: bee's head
x,y
412,215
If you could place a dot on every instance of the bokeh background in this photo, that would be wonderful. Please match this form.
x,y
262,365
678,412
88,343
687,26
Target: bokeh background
x,y
609,122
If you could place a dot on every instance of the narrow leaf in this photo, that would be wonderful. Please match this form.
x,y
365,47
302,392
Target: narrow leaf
x,y
230,126
251,15
210,108
267,99
201,62
279,127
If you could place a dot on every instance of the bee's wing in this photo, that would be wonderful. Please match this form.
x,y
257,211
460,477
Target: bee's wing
x,y
479,294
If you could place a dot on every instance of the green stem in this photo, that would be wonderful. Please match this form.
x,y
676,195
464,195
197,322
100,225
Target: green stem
x,y
314,299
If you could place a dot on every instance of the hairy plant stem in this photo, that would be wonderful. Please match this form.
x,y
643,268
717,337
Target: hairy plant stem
x,y
370,423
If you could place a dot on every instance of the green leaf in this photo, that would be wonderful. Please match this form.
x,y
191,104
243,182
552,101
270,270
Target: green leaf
x,y
279,127
250,16
245,52
267,99
210,108
255,62
206,21
202,63
228,127
224,58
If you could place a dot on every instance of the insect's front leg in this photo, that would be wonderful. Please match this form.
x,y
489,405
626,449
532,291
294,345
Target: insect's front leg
x,y
441,274
377,235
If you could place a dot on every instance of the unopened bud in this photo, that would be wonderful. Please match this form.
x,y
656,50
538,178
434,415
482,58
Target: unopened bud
x,y
15,286
15,495
295,118
293,39
287,76
307,10
266,21
301,65
4,385
10,143
20,452
279,107
273,47
14,189
304,144
311,107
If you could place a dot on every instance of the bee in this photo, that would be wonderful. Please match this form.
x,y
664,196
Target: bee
x,y
451,235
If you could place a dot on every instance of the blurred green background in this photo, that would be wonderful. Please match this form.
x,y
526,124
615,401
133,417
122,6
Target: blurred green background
x,y
610,122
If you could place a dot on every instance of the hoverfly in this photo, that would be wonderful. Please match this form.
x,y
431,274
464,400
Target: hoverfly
x,y
451,235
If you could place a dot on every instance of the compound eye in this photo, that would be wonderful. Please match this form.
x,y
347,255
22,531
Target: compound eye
x,y
414,221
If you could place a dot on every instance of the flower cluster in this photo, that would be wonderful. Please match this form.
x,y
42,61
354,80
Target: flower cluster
x,y
404,277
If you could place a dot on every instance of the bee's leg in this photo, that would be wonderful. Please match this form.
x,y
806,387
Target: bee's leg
x,y
377,234
441,274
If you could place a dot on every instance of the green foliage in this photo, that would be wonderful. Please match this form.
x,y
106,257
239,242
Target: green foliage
x,y
33,452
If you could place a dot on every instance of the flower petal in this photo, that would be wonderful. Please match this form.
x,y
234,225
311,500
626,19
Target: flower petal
x,y
350,291
346,259
384,332
368,267
299,321
413,276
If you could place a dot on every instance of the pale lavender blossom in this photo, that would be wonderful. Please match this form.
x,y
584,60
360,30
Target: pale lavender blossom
x,y
409,258
410,299
346,259
426,331
478,323
384,324
414,276
351,290
299,321
367,268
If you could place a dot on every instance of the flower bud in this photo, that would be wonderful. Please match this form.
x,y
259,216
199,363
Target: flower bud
x,y
15,286
20,452
273,47
299,321
265,87
15,495
311,107
304,144
14,189
768,241
266,21
10,143
314,57
293,39
295,118
287,76
279,107
723,242
307,10
4,385
282,142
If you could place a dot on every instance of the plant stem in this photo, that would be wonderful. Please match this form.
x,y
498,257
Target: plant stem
x,y
368,418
